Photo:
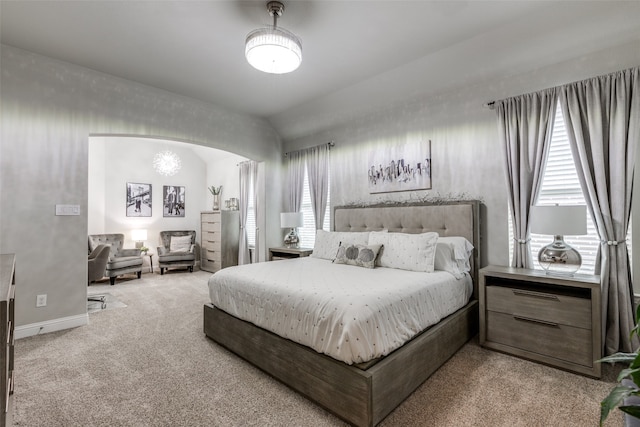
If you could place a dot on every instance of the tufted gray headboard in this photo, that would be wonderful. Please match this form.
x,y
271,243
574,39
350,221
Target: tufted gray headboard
x,y
447,219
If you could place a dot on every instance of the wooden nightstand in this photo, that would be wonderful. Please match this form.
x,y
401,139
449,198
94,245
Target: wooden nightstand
x,y
550,319
286,253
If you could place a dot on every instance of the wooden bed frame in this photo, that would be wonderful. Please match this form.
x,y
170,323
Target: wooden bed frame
x,y
364,395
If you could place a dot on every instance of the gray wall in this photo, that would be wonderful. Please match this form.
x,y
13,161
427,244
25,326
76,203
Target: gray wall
x,y
49,108
467,159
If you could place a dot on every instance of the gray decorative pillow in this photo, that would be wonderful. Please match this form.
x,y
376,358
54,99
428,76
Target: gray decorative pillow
x,y
358,255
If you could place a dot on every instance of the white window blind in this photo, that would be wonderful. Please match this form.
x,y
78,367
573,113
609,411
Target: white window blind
x,y
308,232
560,185
251,220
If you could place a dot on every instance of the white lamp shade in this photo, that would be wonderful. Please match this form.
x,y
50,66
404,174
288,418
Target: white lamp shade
x,y
139,235
559,220
291,219
273,50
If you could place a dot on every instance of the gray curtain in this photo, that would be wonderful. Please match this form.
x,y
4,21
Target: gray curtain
x,y
525,124
296,167
318,170
603,125
245,187
253,173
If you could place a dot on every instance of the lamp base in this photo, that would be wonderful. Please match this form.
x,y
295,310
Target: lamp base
x,y
559,258
139,245
292,240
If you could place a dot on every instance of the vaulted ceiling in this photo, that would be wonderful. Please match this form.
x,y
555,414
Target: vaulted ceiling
x,y
357,55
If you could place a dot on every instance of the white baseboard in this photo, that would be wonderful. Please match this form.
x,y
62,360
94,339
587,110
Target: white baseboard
x,y
51,326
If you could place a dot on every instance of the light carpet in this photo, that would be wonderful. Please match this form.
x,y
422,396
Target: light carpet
x,y
150,364
110,302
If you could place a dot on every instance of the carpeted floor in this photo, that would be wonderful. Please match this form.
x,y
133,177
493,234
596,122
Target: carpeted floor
x,y
149,364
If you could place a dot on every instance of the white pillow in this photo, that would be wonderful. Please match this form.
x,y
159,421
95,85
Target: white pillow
x,y
180,244
328,242
452,255
413,252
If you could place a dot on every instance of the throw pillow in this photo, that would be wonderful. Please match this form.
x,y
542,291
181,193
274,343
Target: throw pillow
x,y
327,242
413,252
180,244
358,255
452,255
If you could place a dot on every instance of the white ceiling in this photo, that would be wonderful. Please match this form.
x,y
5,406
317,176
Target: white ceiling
x,y
357,55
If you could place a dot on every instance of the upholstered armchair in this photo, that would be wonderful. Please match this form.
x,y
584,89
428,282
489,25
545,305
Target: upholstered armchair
x,y
121,261
177,249
98,259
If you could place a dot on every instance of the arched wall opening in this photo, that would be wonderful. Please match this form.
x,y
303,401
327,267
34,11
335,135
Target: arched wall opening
x,y
117,161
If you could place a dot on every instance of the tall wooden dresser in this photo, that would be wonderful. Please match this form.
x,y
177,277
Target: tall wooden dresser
x,y
220,231
7,311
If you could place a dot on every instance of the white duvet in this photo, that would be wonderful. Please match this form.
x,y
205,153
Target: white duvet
x,y
350,313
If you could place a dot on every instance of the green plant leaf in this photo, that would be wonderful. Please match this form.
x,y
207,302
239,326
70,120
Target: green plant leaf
x,y
628,372
613,399
619,358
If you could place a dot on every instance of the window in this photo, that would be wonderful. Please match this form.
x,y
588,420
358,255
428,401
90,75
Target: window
x,y
560,185
308,232
251,220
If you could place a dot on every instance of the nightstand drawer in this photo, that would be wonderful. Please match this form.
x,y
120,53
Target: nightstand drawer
x,y
549,339
545,306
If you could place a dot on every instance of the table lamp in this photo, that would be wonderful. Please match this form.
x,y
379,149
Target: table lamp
x,y
291,220
139,236
559,257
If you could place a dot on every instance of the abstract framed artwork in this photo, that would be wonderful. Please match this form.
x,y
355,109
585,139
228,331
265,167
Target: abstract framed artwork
x,y
138,199
173,201
403,167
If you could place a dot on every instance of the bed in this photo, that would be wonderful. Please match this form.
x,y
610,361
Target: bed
x,y
363,392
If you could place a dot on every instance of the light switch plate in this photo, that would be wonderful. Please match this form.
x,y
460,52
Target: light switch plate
x,y
67,209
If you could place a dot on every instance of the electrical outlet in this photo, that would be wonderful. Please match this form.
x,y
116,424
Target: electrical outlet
x,y
41,300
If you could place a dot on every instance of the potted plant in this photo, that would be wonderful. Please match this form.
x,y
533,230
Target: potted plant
x,y
216,196
144,250
626,395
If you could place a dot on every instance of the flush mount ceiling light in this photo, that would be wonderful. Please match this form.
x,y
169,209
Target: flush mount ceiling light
x,y
167,163
271,49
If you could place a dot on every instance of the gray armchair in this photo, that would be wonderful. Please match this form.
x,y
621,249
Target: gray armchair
x,y
121,261
180,253
98,259
97,262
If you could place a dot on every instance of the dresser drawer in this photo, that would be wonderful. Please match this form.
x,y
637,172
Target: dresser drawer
x,y
212,255
558,341
211,246
212,236
545,306
210,217
210,226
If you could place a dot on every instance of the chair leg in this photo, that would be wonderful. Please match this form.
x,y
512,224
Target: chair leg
x,y
139,274
112,280
161,271
191,269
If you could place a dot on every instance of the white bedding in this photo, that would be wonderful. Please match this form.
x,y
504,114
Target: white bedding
x,y
350,313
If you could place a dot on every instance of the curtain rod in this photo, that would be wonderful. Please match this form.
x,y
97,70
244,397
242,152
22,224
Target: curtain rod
x,y
330,144
492,104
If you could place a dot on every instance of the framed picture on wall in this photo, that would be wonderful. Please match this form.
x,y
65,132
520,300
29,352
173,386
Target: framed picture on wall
x,y
403,167
138,199
173,201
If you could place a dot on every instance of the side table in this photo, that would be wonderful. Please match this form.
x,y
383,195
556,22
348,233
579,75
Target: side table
x,y
287,253
150,261
546,318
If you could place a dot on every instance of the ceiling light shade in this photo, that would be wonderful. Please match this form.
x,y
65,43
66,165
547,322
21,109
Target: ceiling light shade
x,y
167,163
271,49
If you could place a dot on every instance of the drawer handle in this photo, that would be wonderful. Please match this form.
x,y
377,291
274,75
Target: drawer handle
x,y
541,322
535,294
